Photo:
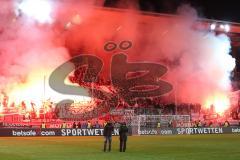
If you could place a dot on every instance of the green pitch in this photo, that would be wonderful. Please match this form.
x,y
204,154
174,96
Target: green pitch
x,y
187,147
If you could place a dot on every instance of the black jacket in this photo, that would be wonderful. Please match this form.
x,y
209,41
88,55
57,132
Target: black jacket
x,y
123,130
108,130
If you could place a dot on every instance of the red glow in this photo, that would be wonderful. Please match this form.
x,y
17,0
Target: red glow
x,y
220,102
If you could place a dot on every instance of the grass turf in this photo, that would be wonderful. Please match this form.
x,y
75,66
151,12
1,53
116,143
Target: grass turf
x,y
184,147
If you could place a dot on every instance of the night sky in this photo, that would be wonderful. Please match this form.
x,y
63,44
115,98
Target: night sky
x,y
227,10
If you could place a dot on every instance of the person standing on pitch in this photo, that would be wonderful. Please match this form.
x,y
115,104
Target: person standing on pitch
x,y
107,133
123,131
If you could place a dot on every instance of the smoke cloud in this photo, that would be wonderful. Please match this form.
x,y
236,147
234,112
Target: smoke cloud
x,y
198,61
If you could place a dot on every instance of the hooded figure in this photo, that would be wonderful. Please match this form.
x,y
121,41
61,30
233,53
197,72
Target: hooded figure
x,y
107,133
123,131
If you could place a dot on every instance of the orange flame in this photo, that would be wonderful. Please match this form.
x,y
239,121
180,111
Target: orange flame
x,y
36,90
221,103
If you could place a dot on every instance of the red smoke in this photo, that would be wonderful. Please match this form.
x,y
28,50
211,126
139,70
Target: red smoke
x,y
198,61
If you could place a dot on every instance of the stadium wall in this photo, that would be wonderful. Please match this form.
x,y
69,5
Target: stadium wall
x,y
16,132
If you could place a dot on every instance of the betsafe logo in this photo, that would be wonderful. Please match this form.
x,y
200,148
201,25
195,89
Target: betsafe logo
x,y
144,85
